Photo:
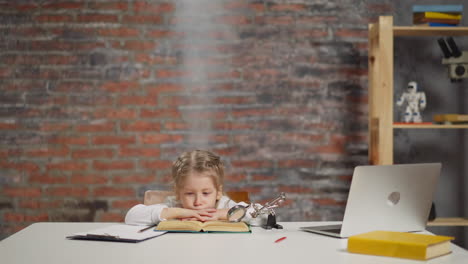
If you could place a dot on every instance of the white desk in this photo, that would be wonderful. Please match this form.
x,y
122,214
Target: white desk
x,y
46,243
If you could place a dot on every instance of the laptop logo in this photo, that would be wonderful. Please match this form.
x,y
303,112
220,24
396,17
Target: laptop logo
x,y
393,198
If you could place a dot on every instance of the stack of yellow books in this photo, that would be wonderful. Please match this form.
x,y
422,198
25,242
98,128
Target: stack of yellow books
x,y
437,15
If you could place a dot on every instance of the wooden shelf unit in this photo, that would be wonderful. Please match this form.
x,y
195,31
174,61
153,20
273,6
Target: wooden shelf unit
x,y
381,102
381,90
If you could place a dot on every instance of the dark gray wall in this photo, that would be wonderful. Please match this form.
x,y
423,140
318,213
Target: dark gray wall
x,y
419,59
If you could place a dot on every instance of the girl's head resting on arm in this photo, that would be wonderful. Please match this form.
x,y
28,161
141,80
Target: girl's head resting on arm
x,y
198,179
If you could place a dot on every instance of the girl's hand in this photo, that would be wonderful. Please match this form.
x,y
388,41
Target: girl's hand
x,y
200,215
188,214
220,214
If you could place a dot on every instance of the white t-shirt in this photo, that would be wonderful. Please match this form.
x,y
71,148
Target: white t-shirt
x,y
141,214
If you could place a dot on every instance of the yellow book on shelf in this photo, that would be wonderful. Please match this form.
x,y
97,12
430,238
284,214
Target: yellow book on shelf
x,y
400,245
198,226
452,118
442,15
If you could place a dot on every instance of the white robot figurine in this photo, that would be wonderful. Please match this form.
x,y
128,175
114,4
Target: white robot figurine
x,y
415,102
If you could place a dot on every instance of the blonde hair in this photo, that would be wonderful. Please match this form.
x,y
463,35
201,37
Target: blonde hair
x,y
198,161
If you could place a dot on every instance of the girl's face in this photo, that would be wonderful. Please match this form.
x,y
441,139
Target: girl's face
x,y
199,192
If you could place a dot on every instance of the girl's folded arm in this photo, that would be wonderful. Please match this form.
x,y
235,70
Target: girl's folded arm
x,y
141,214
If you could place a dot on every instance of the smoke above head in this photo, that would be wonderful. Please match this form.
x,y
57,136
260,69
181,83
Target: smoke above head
x,y
197,21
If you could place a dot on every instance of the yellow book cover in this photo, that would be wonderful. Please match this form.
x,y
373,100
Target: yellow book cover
x,y
400,245
438,15
450,118
198,226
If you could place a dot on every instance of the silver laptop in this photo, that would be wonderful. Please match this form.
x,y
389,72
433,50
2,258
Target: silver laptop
x,y
386,197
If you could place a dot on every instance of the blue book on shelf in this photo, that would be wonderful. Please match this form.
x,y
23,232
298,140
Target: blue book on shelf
x,y
434,24
438,8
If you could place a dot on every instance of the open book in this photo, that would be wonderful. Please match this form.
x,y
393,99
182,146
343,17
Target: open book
x,y
208,226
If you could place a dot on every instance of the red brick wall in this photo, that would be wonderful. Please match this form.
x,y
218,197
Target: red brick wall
x,y
97,98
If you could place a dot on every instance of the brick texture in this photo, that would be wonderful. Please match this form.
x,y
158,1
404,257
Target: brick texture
x,y
97,98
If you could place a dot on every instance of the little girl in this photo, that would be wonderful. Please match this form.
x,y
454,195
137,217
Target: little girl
x,y
198,185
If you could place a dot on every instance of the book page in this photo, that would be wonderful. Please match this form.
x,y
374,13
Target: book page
x,y
180,225
225,226
438,250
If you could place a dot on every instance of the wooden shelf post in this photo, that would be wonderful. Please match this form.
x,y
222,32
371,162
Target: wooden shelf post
x,y
381,91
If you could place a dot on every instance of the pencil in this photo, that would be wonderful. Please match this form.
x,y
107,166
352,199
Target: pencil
x,y
146,228
280,239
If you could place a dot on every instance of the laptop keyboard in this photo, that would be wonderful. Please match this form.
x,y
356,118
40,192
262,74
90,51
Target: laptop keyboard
x,y
336,231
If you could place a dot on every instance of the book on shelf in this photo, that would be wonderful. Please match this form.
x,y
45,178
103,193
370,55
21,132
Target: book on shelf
x,y
198,226
437,15
400,245
423,20
434,24
438,8
450,118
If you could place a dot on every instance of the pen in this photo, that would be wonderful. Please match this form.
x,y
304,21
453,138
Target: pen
x,y
280,239
146,228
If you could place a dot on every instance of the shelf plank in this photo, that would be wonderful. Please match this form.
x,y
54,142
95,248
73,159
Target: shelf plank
x,y
429,31
429,126
449,221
